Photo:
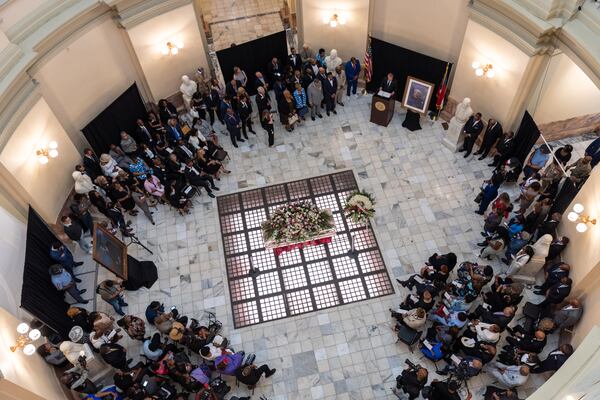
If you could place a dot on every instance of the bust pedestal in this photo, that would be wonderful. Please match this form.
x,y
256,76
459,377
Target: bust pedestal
x,y
454,137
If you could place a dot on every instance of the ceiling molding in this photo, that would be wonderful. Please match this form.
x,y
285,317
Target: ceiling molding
x,y
12,114
9,58
529,38
37,18
146,10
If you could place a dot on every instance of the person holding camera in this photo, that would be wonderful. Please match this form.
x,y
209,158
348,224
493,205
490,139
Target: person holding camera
x,y
411,381
443,391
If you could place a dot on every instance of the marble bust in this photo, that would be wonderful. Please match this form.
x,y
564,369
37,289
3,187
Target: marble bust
x,y
332,61
463,111
188,88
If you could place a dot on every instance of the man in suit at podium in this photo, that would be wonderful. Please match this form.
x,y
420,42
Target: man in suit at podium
x,y
389,84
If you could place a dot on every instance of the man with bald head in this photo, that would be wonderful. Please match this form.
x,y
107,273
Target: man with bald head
x,y
509,376
568,313
531,343
555,359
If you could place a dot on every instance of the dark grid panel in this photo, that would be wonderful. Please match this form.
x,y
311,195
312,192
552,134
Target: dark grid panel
x,y
371,261
237,266
263,260
273,308
300,302
275,194
232,223
321,185
298,190
294,278
254,218
229,204
326,296
242,289
255,239
298,281
268,283
319,272
327,201
312,253
378,284
344,267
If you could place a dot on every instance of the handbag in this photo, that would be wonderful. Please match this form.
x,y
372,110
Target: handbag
x,y
292,119
479,197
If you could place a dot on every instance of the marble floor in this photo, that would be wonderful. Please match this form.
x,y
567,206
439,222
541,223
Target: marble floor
x,y
424,196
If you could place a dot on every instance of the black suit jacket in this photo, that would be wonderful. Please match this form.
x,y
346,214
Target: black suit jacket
x,y
554,361
473,128
492,134
295,61
144,135
530,343
557,293
505,146
232,91
499,319
274,71
212,100
260,83
262,103
329,88
391,87
92,166
548,227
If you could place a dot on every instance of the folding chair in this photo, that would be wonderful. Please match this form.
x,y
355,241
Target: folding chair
x,y
408,336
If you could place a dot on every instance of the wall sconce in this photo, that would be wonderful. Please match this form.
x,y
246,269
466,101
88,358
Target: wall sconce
x,y
172,48
483,69
334,20
25,339
46,153
582,220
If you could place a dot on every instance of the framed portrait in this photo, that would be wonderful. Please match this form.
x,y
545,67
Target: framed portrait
x,y
109,251
417,95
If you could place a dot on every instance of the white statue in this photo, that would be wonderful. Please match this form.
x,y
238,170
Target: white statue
x,y
463,111
454,134
530,270
188,88
332,61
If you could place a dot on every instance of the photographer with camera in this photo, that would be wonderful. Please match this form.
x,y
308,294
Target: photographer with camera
x,y
444,391
411,381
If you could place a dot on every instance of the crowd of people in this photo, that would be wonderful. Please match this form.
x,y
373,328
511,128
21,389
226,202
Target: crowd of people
x,y
174,155
182,357
476,306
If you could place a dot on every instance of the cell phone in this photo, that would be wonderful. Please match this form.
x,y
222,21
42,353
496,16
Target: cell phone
x,y
145,384
172,308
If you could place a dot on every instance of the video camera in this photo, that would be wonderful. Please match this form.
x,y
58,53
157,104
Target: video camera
x,y
412,366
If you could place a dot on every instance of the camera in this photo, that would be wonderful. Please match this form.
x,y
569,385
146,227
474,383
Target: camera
x,y
412,366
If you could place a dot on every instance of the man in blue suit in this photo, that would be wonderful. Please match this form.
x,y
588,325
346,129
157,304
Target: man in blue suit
x,y
352,71
234,126
174,130
62,255
593,150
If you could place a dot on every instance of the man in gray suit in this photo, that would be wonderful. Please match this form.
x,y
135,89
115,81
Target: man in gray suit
x,y
568,313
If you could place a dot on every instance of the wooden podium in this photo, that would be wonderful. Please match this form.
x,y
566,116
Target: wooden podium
x,y
382,110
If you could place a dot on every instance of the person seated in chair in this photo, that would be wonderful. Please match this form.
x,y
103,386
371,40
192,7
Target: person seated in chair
x,y
197,178
500,318
414,319
568,313
555,359
424,301
437,260
411,381
531,343
251,374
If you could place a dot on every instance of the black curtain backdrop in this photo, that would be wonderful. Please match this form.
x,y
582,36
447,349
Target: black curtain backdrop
x,y
253,56
525,137
38,296
403,63
121,115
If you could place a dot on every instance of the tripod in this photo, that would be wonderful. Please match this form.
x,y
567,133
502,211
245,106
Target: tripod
x,y
134,240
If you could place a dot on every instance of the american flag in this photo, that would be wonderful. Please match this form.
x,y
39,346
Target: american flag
x,y
368,62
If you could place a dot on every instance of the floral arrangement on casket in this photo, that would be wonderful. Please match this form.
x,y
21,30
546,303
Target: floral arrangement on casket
x,y
297,222
359,207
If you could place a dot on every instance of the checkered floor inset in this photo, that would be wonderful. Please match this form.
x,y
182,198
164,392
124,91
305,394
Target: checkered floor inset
x,y
303,280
